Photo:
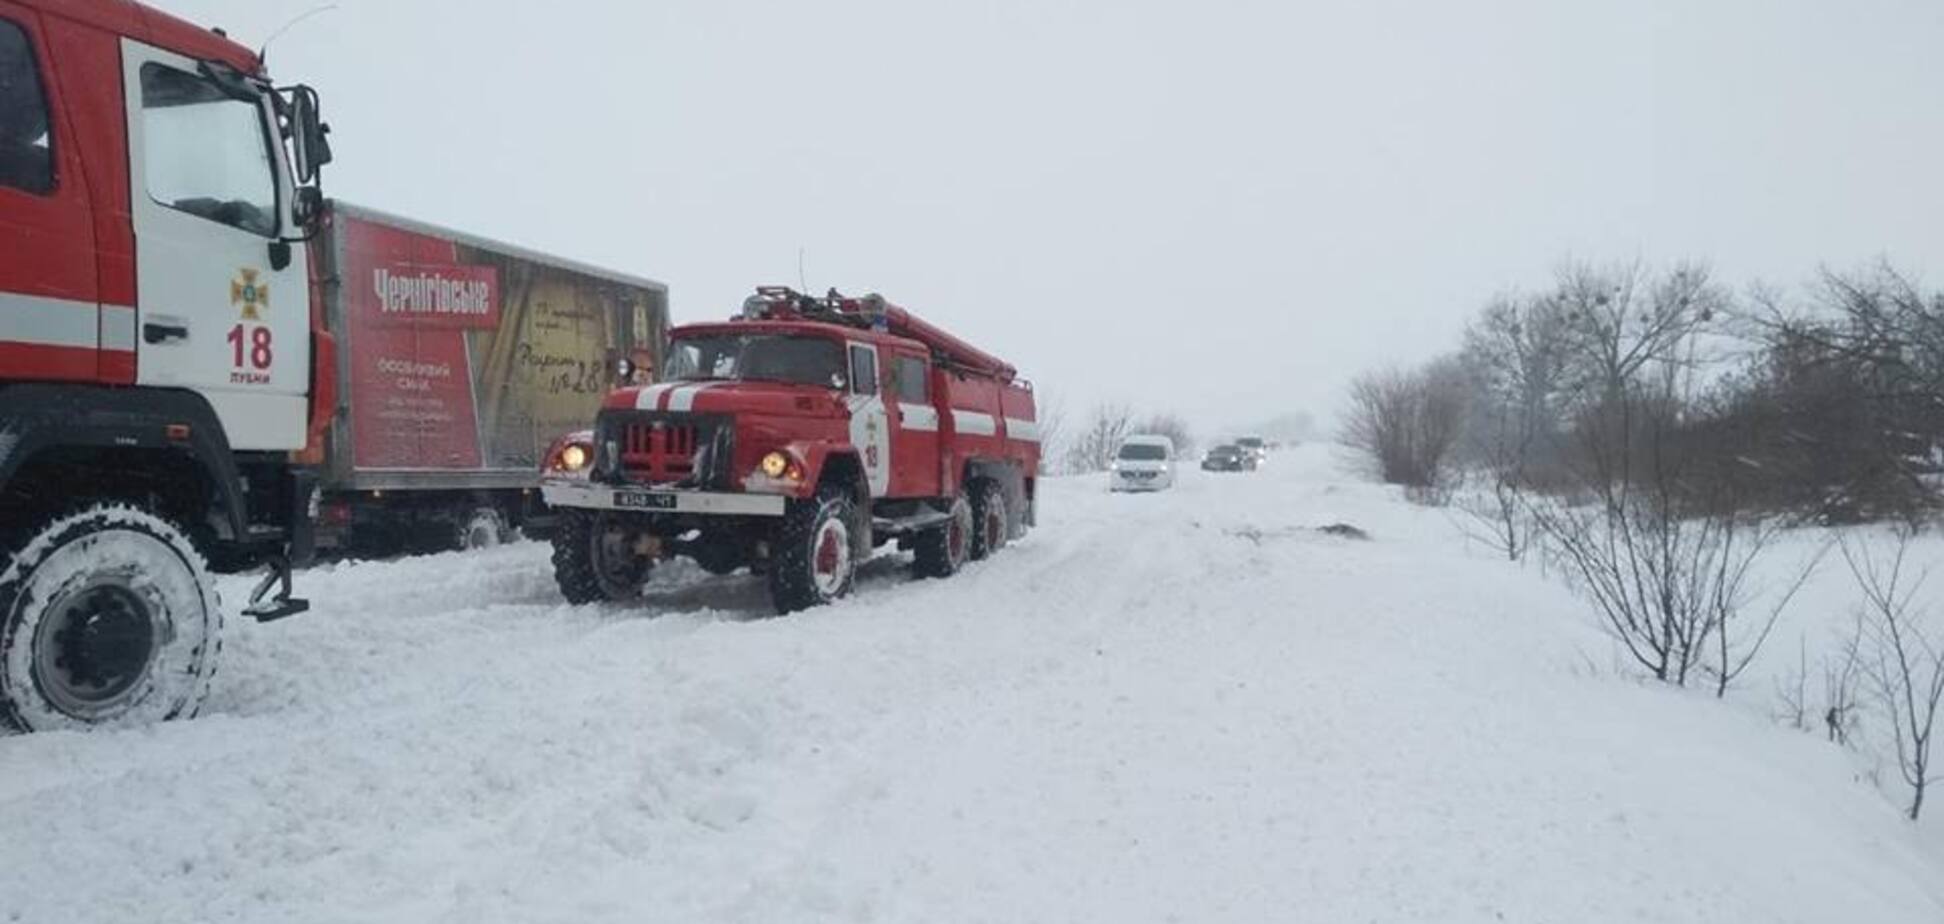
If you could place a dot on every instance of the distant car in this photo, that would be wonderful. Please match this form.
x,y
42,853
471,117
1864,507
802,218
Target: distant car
x,y
1255,446
1144,462
1228,457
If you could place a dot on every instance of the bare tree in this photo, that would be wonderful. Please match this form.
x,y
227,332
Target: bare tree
x,y
1099,437
1518,360
1052,424
1903,664
1405,424
1520,355
1628,324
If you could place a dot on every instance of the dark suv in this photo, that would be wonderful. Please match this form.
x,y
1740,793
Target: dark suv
x,y
1229,458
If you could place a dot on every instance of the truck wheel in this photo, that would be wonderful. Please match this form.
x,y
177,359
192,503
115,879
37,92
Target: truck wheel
x,y
594,560
989,516
107,617
483,528
942,550
813,560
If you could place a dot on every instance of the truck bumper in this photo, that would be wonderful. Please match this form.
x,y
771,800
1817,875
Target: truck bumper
x,y
590,496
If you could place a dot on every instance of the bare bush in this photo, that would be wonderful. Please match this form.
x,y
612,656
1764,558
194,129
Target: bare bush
x,y
1841,675
1405,424
1493,510
1052,424
1793,691
1672,586
1902,663
1098,438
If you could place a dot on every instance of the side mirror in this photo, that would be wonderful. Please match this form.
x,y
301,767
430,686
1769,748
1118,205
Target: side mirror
x,y
311,144
308,206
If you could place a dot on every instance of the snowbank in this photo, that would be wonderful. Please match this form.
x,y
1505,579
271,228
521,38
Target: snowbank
x,y
1187,706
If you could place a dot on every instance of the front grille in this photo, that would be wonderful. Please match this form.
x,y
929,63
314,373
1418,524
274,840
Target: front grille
x,y
663,448
658,452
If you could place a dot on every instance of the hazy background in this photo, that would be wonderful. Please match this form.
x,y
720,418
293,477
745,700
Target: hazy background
x,y
1221,209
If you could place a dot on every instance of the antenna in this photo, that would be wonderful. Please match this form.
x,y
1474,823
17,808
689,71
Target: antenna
x,y
801,285
263,54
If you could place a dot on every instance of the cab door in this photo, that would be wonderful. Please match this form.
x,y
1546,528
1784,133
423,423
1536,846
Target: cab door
x,y
222,307
870,426
914,450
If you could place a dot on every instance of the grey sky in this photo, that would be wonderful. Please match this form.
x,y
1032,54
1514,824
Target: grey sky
x,y
1222,209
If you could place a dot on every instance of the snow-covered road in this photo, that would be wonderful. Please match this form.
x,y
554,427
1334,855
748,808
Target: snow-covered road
x,y
1182,707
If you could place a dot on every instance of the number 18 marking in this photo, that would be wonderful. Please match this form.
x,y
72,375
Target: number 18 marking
x,y
260,355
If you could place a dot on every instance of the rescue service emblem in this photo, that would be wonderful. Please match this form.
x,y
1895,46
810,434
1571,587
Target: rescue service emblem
x,y
249,294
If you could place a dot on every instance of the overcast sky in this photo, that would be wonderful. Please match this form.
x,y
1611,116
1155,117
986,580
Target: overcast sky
x,y
1221,209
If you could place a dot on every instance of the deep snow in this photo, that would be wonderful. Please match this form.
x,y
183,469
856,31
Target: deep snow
x,y
1187,706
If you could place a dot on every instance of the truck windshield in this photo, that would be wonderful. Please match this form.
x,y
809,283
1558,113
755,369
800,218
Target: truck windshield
x,y
1144,452
766,357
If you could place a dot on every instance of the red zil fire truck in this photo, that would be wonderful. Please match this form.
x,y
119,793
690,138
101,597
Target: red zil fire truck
x,y
164,370
793,440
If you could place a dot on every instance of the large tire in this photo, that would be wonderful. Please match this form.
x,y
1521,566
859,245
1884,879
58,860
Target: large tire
x,y
943,549
481,528
814,558
991,523
594,560
108,616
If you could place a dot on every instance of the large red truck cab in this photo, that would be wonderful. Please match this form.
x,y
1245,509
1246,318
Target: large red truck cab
x,y
162,364
793,439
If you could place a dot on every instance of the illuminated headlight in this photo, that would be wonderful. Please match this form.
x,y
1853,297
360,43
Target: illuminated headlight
x,y
575,457
775,464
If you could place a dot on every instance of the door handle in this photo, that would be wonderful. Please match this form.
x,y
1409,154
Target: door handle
x,y
154,332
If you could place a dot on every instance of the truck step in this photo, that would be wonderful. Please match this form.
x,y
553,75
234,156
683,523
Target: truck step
x,y
271,600
273,610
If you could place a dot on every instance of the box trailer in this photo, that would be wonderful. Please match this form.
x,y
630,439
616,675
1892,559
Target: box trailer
x,y
459,361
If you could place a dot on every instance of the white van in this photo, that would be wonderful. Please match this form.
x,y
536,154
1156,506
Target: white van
x,y
1144,462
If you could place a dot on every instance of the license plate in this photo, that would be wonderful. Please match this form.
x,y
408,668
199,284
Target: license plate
x,y
639,501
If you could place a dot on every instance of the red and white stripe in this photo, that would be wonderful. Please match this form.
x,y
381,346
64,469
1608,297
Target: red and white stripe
x,y
65,339
670,396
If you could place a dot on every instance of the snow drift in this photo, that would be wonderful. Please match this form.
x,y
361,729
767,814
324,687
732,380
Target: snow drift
x,y
1190,706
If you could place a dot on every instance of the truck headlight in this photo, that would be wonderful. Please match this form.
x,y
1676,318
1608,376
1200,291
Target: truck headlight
x,y
775,464
574,457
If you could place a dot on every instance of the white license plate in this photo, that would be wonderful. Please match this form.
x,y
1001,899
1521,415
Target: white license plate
x,y
642,500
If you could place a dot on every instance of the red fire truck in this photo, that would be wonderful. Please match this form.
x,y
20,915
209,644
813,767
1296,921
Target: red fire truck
x,y
793,440
165,376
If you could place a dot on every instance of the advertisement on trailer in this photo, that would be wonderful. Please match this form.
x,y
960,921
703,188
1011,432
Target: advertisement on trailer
x,y
466,358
